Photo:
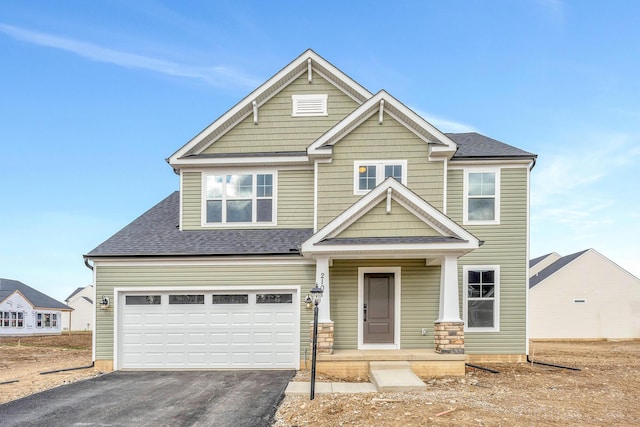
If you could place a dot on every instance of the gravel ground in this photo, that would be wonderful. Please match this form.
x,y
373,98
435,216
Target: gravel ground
x,y
603,392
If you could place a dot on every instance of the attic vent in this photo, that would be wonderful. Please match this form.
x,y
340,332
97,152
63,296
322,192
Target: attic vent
x,y
309,105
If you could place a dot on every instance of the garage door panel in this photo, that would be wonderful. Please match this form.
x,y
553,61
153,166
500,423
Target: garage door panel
x,y
236,331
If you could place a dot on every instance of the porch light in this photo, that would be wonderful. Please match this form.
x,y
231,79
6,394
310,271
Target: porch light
x,y
104,303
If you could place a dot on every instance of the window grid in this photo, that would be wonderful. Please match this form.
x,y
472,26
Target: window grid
x,y
369,174
239,198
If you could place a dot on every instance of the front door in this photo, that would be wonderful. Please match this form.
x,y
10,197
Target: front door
x,y
378,308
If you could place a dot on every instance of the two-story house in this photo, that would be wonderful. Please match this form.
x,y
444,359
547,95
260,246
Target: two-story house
x,y
419,238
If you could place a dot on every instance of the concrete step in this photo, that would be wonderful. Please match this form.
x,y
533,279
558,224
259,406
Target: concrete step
x,y
390,377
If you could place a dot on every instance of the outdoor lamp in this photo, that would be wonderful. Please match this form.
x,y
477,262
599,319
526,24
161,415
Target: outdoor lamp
x,y
104,303
307,302
316,294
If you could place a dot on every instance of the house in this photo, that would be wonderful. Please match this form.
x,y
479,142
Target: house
x,y
81,300
26,311
584,295
418,238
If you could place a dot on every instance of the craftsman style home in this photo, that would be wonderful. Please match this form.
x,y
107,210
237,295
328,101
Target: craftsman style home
x,y
418,238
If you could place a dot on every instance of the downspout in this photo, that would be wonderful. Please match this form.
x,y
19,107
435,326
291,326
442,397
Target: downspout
x,y
529,360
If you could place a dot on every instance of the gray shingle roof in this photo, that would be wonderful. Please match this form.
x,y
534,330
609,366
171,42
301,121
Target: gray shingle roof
x,y
537,260
156,233
474,145
36,298
551,269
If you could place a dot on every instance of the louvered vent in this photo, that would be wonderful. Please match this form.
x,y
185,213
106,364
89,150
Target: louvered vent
x,y
309,105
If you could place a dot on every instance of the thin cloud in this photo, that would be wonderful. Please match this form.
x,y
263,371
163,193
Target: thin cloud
x,y
444,124
218,76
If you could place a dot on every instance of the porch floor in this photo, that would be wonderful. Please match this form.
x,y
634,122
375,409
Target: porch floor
x,y
383,355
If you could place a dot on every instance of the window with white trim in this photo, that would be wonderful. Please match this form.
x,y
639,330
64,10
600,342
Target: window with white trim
x,y
368,174
481,302
242,198
309,105
482,196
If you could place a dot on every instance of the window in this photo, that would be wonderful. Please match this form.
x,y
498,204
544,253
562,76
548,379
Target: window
x,y
239,198
274,298
482,197
4,319
142,300
368,174
231,299
186,299
47,320
20,319
309,105
54,320
481,298
14,319
39,320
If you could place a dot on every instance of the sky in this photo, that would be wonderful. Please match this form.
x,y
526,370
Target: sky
x,y
95,95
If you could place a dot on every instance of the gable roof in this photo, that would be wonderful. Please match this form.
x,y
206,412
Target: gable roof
x,y
452,236
538,259
472,145
308,62
36,298
74,293
551,269
156,234
389,105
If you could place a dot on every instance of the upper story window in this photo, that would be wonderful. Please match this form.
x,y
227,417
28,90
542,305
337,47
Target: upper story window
x,y
481,298
243,198
309,105
368,174
482,196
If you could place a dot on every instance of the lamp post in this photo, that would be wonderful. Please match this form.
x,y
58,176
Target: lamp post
x,y
316,296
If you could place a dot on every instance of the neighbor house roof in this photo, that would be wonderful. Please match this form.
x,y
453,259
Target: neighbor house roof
x,y
36,298
156,233
551,269
538,259
472,145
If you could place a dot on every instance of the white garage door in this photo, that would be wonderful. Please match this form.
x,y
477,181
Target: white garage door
x,y
222,329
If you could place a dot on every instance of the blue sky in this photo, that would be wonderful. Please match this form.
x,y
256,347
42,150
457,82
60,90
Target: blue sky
x,y
95,95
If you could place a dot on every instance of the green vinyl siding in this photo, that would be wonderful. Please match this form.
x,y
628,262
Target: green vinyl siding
x,y
194,275
505,245
191,200
277,130
373,141
294,199
398,223
419,300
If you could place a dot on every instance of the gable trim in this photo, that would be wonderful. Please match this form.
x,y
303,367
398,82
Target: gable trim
x,y
416,124
413,203
266,91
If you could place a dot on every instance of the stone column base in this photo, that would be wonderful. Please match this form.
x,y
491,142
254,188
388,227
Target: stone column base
x,y
325,337
449,337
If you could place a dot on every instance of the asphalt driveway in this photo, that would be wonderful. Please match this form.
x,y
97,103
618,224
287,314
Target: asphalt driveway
x,y
190,398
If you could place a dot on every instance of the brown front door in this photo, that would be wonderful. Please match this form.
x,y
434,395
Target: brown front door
x,y
378,309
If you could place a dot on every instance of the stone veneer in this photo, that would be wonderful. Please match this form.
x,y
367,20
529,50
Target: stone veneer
x,y
325,337
449,337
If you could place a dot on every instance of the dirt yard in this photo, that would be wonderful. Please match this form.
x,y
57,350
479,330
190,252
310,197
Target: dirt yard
x,y
603,392
23,359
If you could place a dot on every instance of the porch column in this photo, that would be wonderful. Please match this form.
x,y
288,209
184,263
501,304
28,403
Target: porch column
x,y
322,279
325,325
449,327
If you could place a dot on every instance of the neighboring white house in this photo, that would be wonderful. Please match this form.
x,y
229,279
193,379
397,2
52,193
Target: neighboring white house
x,y
584,295
26,311
81,319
